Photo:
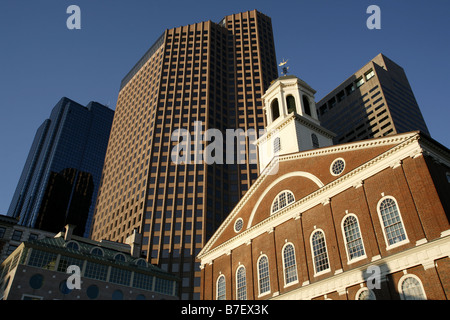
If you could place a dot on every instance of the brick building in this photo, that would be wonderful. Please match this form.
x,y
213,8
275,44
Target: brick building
x,y
360,220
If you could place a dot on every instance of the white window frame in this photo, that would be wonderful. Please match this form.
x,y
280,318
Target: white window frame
x,y
312,253
74,242
277,199
405,277
237,282
352,260
359,82
383,228
260,294
284,265
221,276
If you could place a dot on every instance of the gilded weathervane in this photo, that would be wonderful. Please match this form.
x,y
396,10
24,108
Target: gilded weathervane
x,y
284,68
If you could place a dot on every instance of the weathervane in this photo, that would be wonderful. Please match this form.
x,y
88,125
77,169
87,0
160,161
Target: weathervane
x,y
284,68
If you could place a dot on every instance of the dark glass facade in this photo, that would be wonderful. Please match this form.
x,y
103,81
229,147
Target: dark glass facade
x,y
62,173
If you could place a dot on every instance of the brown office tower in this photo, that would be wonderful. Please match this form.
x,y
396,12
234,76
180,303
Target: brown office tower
x,y
374,102
197,77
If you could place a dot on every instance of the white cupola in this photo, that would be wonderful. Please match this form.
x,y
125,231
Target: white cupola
x,y
292,121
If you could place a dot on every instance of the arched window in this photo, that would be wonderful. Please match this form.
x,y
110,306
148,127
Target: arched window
x,y
221,288
306,106
275,109
263,275
315,140
141,262
319,250
241,284
289,264
282,200
411,288
290,101
352,237
365,294
394,231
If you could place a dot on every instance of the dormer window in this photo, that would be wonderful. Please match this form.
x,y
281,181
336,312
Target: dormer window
x,y
283,199
97,252
73,245
120,257
141,262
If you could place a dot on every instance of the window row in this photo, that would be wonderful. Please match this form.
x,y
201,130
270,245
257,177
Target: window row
x,y
410,287
393,230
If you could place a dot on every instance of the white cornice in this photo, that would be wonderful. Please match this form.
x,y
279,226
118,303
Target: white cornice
x,y
290,118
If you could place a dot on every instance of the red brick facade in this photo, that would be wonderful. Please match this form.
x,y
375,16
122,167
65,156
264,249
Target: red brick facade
x,y
409,170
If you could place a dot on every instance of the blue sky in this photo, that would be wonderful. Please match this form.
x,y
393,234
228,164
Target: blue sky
x,y
325,41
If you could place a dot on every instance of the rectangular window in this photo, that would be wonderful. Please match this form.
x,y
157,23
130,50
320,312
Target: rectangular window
x,y
42,259
65,262
370,74
96,271
120,276
359,82
143,281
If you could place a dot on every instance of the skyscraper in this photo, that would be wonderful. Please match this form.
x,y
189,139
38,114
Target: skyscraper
x,y
202,76
375,101
60,179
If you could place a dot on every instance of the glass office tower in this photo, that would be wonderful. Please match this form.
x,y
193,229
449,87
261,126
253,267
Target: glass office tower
x,y
60,179
197,77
